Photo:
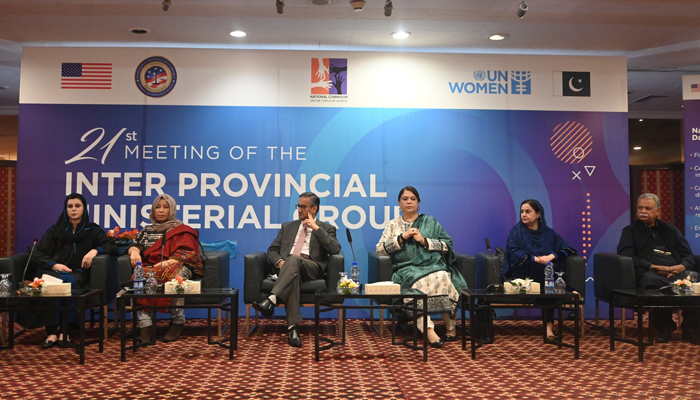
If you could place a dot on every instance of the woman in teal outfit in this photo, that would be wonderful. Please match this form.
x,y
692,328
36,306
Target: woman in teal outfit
x,y
422,256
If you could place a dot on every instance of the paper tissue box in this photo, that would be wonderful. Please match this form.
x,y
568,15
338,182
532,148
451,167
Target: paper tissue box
x,y
192,287
382,288
55,286
511,289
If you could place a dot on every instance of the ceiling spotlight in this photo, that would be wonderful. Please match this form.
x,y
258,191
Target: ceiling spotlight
x,y
522,9
357,5
320,2
238,34
400,34
388,6
498,36
636,148
167,4
280,6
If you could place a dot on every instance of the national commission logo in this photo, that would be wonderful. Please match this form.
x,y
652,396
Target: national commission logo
x,y
156,76
495,82
329,80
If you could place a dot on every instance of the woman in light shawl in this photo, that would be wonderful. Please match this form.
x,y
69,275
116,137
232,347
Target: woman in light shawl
x,y
180,257
422,256
531,245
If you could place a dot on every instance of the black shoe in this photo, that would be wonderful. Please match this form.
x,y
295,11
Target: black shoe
x,y
664,337
48,344
449,338
437,344
293,337
265,307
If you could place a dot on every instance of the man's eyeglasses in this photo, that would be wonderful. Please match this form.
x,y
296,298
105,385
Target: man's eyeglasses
x,y
301,207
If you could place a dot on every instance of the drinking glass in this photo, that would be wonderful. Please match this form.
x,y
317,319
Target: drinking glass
x,y
151,283
559,284
5,286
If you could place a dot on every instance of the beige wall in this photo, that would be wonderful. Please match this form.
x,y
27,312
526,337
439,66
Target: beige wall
x,y
9,127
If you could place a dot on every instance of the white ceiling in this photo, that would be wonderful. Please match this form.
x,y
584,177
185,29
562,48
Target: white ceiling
x,y
660,38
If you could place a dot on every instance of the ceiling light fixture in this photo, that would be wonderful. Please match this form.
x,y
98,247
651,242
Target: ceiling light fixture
x,y
400,34
498,36
139,31
280,6
522,9
640,120
388,7
320,2
636,148
357,5
238,34
167,4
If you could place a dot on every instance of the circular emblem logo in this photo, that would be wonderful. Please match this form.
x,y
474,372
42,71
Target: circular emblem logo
x,y
156,77
479,75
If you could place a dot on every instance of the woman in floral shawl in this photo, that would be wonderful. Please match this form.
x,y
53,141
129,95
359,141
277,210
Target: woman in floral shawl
x,y
180,257
422,257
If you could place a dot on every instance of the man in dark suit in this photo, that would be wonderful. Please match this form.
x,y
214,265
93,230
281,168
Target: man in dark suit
x,y
300,252
660,254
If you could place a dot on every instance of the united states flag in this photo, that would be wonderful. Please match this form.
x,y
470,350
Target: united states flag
x,y
86,75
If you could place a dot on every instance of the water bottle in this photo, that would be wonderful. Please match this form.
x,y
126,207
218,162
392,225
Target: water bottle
x,y
138,278
355,273
549,278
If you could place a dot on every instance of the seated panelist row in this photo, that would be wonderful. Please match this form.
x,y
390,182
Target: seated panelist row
x,y
67,249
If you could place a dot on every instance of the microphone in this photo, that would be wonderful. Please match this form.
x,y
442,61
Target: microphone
x,y
488,244
162,248
28,261
347,230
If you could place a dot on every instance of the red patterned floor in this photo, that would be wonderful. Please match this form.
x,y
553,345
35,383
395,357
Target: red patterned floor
x,y
517,366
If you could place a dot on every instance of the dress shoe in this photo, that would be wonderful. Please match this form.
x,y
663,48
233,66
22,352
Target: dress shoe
x,y
293,338
449,338
663,337
437,344
48,344
265,307
173,333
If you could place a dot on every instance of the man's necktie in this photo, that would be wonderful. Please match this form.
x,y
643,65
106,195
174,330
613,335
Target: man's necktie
x,y
300,242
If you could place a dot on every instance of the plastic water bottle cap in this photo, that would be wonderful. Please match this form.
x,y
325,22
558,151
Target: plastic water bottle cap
x,y
354,263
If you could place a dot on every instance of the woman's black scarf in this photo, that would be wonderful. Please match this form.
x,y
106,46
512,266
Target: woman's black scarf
x,y
63,230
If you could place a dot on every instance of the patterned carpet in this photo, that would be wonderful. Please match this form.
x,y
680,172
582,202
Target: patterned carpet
x,y
516,366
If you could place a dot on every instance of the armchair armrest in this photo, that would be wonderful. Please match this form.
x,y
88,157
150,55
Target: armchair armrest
x,y
612,271
124,269
14,265
255,270
575,274
489,268
216,270
466,265
378,268
336,265
100,275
